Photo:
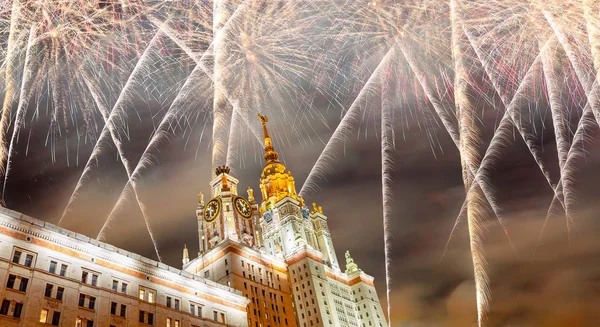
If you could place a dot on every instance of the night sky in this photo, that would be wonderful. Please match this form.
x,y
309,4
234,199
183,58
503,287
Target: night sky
x,y
549,279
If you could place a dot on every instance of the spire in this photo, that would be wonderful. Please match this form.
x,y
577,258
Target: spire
x,y
186,255
276,182
270,154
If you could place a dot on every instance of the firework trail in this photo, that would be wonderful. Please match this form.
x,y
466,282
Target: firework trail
x,y
566,183
162,132
387,164
585,78
221,110
451,129
352,116
109,129
9,81
561,132
469,141
237,116
500,140
22,107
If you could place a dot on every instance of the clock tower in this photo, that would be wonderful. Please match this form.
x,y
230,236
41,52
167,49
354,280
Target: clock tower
x,y
226,215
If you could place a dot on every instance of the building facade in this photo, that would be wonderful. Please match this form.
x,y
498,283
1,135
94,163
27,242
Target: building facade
x,y
54,277
279,254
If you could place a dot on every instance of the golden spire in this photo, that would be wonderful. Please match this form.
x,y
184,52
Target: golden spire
x,y
276,182
270,154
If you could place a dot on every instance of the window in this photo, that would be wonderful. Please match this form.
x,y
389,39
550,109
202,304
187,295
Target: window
x,y
28,260
4,307
141,316
115,285
55,318
63,270
84,276
124,288
176,323
59,293
168,301
81,300
92,303
89,323
48,292
78,322
142,294
18,310
16,257
123,310
23,285
150,297
94,280
176,304
192,309
113,308
150,319
206,274
44,316
10,283
52,268
199,311
168,322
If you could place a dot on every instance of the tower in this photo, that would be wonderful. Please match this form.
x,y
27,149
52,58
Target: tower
x,y
226,215
279,253
285,221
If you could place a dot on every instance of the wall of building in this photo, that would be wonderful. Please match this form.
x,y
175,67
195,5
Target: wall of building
x,y
48,244
261,278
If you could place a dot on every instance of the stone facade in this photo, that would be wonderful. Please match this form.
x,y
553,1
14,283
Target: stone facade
x,y
52,276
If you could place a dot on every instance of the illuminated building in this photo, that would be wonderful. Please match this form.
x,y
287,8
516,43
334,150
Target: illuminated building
x,y
280,254
52,276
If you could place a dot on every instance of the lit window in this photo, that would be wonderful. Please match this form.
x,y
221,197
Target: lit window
x,y
44,315
78,322
142,294
168,322
150,297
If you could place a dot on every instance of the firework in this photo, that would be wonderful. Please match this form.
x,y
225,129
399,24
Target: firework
x,y
438,64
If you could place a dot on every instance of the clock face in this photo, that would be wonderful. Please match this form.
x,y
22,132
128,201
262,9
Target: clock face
x,y
243,207
212,210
